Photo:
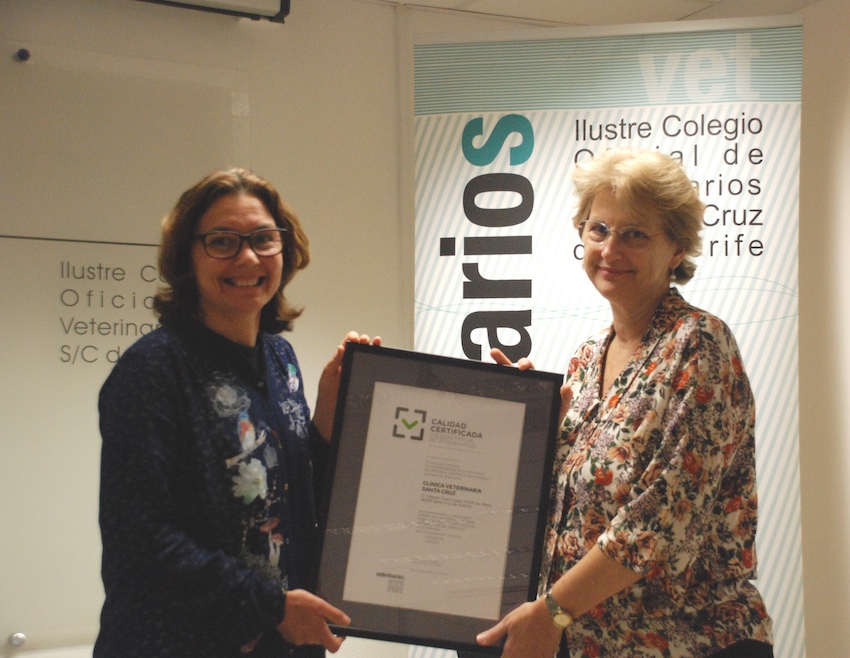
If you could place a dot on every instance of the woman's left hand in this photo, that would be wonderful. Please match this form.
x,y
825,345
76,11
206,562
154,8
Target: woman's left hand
x,y
525,364
323,417
305,620
499,357
530,632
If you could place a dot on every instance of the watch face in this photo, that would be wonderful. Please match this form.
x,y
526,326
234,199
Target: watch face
x,y
562,620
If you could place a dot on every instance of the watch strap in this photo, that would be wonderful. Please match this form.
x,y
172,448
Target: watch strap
x,y
560,617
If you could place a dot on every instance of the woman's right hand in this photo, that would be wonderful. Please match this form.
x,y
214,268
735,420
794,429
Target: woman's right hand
x,y
323,415
306,618
526,364
528,630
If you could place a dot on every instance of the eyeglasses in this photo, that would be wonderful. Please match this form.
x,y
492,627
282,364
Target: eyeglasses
x,y
631,237
226,244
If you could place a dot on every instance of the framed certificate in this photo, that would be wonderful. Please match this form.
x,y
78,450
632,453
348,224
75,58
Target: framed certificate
x,y
432,522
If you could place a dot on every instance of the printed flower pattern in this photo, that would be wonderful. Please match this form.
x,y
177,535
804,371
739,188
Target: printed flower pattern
x,y
228,398
250,482
659,472
297,416
253,467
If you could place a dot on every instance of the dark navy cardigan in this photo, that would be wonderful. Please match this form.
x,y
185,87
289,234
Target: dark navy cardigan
x,y
189,556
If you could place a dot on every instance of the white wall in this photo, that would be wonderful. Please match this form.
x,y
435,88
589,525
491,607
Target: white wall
x,y
824,318
323,125
329,106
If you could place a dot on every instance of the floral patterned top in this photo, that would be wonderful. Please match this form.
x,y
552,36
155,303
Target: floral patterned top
x,y
207,496
659,472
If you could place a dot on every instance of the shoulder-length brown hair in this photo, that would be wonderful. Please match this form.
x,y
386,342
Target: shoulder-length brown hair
x,y
177,301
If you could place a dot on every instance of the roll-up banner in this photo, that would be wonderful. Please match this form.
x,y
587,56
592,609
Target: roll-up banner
x,y
500,121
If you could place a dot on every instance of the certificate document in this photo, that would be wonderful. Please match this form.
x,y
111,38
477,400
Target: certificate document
x,y
432,520
435,501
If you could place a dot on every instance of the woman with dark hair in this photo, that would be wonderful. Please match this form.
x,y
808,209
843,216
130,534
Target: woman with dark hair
x,y
210,459
650,545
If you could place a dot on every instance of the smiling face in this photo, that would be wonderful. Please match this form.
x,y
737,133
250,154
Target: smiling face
x,y
233,291
629,278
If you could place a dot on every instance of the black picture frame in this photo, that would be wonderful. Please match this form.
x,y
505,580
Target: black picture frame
x,y
367,369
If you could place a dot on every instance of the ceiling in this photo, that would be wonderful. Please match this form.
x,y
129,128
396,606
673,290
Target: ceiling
x,y
613,12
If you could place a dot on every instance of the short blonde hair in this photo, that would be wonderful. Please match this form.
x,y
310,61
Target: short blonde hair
x,y
646,182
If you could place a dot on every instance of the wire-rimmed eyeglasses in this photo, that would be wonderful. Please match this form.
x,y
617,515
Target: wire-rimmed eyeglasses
x,y
631,237
226,244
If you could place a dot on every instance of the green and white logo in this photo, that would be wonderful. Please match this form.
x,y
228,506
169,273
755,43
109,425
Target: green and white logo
x,y
409,424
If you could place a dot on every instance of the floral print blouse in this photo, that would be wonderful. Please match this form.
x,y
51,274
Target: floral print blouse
x,y
659,472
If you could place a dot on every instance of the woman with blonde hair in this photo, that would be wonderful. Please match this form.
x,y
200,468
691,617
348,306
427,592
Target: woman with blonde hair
x,y
650,544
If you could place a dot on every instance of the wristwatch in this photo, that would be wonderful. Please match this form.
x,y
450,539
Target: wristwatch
x,y
560,617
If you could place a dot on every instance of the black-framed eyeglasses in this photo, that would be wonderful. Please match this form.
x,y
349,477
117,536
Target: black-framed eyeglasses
x,y
226,244
631,237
